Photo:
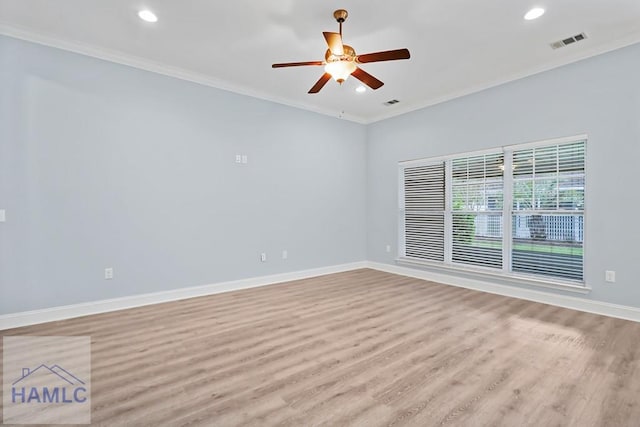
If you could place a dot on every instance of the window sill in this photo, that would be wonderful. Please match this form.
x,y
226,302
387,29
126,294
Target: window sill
x,y
489,274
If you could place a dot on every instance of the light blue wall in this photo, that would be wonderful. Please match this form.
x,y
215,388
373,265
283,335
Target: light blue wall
x,y
102,165
599,96
105,165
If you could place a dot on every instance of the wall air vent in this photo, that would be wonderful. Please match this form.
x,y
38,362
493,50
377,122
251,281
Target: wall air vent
x,y
569,40
392,102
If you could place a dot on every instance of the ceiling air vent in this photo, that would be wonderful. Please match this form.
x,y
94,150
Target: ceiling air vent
x,y
393,101
568,41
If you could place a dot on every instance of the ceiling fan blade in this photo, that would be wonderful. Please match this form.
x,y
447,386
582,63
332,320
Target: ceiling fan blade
x,y
297,64
334,41
388,55
320,83
367,78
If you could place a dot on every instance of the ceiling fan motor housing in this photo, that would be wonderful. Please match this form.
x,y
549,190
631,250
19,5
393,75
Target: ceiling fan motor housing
x,y
349,54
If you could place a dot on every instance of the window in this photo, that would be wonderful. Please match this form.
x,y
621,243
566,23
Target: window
x,y
548,211
518,211
476,210
424,205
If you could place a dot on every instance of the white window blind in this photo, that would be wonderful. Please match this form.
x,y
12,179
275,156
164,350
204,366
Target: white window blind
x,y
518,212
477,188
424,205
548,211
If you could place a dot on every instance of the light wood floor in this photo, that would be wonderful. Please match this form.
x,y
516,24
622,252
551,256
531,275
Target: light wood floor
x,y
362,348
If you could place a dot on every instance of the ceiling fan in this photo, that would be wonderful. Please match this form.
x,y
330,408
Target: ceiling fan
x,y
340,60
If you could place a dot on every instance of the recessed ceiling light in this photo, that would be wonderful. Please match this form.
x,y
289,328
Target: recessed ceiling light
x,y
147,15
534,13
361,89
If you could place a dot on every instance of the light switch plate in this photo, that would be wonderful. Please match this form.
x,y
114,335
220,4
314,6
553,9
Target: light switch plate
x,y
610,276
3,215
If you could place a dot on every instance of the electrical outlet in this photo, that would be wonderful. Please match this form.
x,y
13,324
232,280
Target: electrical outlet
x,y
285,254
610,276
263,257
108,273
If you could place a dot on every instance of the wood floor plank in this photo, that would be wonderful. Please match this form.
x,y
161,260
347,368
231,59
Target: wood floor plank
x,y
362,348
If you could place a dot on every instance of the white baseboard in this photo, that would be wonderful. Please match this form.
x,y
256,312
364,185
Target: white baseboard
x,y
575,303
15,320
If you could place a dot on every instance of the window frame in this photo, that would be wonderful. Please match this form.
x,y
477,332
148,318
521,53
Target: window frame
x,y
505,272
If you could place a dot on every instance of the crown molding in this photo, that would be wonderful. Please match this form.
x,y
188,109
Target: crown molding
x,y
160,68
199,78
600,49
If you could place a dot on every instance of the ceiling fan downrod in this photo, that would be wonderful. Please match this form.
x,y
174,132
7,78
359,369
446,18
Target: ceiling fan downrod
x,y
340,15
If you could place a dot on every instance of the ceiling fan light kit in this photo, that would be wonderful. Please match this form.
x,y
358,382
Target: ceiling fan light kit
x,y
340,70
341,60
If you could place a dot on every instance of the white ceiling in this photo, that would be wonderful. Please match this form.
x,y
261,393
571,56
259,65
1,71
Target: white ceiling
x,y
457,46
